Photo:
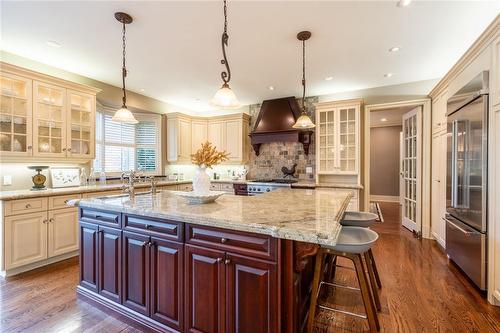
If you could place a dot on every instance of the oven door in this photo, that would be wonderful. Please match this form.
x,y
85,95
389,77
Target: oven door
x,y
467,248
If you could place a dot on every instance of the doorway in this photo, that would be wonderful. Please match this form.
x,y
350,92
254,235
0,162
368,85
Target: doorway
x,y
395,163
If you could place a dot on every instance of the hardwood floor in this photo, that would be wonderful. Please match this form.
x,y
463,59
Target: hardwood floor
x,y
421,292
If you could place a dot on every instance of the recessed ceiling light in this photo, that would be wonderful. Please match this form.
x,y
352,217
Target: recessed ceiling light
x,y
383,119
328,78
394,49
53,43
388,74
403,3
271,87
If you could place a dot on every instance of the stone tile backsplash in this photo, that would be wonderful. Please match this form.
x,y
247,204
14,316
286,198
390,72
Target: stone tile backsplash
x,y
273,156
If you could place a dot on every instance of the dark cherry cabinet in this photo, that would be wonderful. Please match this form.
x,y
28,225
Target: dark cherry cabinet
x,y
135,291
252,295
88,256
205,284
167,280
109,264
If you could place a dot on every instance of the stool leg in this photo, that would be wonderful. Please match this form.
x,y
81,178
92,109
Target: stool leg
x,y
373,285
318,272
375,270
371,313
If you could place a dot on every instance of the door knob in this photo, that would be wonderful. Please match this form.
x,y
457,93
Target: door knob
x,y
227,261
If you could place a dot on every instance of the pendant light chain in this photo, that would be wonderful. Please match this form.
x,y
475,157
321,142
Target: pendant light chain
x,y
225,75
124,68
303,75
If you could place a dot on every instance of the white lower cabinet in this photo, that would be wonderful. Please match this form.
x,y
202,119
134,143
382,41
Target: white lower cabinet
x,y
25,239
62,231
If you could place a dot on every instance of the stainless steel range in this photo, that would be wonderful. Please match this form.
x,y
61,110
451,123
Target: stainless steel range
x,y
260,186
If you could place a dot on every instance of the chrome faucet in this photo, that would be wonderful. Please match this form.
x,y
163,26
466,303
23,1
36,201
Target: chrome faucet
x,y
130,187
153,181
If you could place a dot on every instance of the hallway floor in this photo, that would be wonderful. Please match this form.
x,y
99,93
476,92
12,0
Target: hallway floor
x,y
421,292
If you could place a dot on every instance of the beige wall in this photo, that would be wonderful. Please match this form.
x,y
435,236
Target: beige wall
x,y
384,160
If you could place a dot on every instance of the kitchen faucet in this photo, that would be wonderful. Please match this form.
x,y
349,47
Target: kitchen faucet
x,y
130,187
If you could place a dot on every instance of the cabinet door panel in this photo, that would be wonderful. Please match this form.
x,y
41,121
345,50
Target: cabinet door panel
x,y
110,241
135,288
233,140
80,124
25,239
62,231
252,297
216,135
166,282
204,285
198,134
88,255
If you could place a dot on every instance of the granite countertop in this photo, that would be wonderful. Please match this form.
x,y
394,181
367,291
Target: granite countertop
x,y
300,214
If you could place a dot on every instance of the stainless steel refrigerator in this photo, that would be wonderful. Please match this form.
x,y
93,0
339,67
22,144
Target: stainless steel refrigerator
x,y
467,179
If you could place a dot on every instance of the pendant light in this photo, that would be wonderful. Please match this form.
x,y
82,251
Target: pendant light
x,y
304,122
225,98
124,115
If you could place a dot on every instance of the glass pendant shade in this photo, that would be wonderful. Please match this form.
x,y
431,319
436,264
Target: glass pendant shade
x,y
225,98
304,122
124,115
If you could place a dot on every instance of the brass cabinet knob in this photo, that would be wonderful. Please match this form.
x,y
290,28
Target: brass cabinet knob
x,y
28,205
223,240
227,262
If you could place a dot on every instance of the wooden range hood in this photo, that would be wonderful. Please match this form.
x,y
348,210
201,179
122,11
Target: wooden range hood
x,y
274,124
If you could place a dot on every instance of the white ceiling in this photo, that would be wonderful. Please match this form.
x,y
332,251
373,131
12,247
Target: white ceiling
x,y
174,50
392,116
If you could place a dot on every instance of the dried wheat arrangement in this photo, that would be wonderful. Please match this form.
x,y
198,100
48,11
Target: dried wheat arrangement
x,y
208,156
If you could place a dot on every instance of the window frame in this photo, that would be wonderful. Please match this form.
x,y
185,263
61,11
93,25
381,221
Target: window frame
x,y
149,117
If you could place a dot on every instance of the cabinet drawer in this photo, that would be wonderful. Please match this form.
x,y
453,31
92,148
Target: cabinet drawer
x,y
169,187
60,201
228,187
111,219
185,187
160,228
24,206
215,187
254,245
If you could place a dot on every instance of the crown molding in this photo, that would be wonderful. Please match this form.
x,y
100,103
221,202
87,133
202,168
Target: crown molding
x,y
481,43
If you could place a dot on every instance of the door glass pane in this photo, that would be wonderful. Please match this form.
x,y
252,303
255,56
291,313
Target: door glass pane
x,y
55,146
43,144
19,144
5,142
20,125
5,123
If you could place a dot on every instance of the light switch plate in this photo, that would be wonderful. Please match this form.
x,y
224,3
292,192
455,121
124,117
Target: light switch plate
x,y
7,180
309,170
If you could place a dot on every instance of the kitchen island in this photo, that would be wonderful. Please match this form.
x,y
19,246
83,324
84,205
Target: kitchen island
x,y
240,264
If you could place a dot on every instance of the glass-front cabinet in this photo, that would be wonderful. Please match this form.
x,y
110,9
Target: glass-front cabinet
x,y
15,115
49,116
338,138
81,124
43,116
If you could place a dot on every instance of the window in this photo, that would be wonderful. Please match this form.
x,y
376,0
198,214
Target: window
x,y
123,147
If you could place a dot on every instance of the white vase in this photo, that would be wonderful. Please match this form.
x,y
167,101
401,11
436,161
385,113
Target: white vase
x,y
201,181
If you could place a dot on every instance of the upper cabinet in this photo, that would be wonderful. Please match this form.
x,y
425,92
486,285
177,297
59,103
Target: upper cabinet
x,y
45,117
495,76
15,115
229,133
337,137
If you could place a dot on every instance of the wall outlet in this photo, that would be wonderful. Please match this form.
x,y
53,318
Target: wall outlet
x,y
309,170
7,180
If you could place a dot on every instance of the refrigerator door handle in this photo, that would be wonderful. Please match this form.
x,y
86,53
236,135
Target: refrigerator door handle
x,y
454,164
459,228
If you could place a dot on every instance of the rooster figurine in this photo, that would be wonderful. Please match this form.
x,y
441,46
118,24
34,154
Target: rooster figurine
x,y
289,172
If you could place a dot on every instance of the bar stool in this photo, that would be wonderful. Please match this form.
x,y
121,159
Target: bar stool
x,y
353,243
364,220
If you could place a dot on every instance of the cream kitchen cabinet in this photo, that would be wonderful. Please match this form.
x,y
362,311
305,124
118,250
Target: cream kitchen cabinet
x,y
37,231
199,133
62,232
178,138
25,239
185,135
438,186
15,116
44,118
439,107
495,74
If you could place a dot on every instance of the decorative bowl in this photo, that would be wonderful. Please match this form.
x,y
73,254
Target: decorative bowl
x,y
196,198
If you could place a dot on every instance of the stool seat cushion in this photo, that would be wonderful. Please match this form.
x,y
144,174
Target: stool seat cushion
x,y
359,219
355,240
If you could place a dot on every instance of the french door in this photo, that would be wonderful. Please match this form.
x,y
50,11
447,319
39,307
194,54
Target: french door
x,y
411,170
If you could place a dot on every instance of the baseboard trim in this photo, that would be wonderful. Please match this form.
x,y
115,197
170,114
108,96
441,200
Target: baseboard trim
x,y
438,239
384,198
38,264
125,314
